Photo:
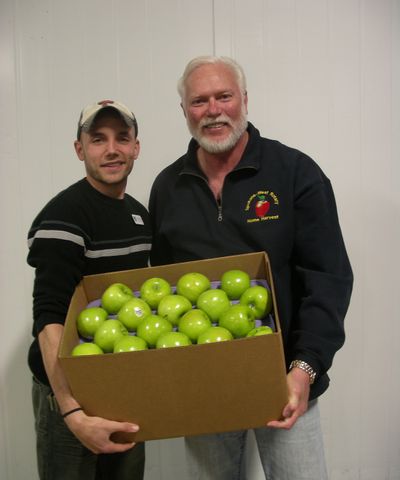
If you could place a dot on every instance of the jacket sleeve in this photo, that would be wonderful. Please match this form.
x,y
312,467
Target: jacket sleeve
x,y
161,251
322,273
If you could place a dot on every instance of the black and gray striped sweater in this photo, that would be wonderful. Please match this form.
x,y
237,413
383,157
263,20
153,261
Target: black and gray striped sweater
x,y
80,232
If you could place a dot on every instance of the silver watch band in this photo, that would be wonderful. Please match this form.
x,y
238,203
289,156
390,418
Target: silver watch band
x,y
305,367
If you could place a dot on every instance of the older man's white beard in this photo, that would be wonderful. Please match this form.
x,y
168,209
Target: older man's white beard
x,y
221,146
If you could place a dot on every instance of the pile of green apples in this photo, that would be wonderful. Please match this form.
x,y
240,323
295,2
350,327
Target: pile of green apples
x,y
195,311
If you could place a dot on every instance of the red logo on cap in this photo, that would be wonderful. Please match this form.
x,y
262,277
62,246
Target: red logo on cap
x,y
103,103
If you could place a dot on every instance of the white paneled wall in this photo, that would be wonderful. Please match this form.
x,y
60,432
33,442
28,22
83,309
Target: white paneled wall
x,y
323,76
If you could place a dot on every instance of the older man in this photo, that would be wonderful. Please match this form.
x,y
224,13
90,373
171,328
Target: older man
x,y
207,204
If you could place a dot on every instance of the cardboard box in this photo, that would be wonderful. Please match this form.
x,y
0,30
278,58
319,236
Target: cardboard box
x,y
182,391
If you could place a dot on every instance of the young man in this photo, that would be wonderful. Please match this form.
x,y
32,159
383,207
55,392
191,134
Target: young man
x,y
235,192
91,227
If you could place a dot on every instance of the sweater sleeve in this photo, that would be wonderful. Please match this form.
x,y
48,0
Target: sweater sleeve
x,y
56,251
322,273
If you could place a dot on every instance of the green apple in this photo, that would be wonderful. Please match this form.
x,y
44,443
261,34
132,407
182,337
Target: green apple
x,y
172,307
153,290
133,312
130,343
89,319
262,330
172,339
152,327
115,296
214,302
258,299
108,334
215,334
235,283
193,323
239,320
87,348
191,285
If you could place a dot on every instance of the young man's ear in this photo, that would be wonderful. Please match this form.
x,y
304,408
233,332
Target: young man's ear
x,y
79,149
137,149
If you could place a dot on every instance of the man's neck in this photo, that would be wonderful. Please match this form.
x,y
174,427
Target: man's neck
x,y
217,165
116,190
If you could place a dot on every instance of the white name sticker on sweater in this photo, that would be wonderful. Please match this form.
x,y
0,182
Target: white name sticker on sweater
x,y
137,219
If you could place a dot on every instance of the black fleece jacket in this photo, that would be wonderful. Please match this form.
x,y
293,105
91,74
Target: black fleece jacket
x,y
276,200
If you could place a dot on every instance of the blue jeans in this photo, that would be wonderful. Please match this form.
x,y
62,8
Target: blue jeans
x,y
295,454
61,456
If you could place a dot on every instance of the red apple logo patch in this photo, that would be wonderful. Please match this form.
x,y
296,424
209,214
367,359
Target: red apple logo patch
x,y
262,206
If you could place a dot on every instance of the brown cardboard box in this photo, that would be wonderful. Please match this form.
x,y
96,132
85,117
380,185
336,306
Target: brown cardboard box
x,y
181,391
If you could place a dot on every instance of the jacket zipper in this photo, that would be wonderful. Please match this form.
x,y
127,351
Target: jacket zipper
x,y
219,205
218,202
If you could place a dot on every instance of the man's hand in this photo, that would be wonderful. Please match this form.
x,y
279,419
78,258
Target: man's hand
x,y
298,383
95,432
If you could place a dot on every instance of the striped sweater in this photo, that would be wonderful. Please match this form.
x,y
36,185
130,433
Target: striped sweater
x,y
80,232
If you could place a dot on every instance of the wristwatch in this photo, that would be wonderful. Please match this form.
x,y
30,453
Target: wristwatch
x,y
305,367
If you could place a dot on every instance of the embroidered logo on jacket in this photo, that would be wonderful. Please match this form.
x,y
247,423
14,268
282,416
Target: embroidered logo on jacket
x,y
262,206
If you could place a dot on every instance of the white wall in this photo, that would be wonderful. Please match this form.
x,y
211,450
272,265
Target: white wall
x,y
323,76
